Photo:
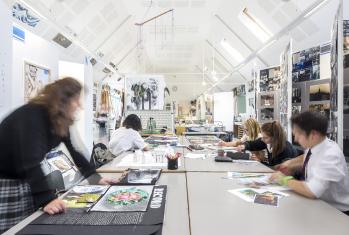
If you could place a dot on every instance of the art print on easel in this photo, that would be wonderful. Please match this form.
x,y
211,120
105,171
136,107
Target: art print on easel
x,y
145,93
35,78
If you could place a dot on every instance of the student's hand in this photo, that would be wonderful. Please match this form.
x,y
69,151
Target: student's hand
x,y
240,148
254,157
55,207
222,143
284,167
108,181
146,148
276,177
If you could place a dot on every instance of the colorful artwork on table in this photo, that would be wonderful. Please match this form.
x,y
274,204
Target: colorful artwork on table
x,y
125,198
35,78
83,196
145,92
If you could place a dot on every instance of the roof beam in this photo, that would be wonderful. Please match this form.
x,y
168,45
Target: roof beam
x,y
278,35
240,38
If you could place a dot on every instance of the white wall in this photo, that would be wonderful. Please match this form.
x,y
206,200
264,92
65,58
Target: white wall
x,y
5,59
223,110
47,54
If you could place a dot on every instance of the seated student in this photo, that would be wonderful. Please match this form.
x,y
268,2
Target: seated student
x,y
127,137
274,142
324,169
252,131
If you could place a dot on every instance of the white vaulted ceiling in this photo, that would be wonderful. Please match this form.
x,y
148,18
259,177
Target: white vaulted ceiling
x,y
185,45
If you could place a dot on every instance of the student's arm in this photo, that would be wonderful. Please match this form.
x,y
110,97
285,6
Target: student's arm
x,y
290,166
297,186
230,144
255,145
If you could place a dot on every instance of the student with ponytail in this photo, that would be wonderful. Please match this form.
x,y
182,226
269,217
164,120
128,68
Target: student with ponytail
x,y
273,140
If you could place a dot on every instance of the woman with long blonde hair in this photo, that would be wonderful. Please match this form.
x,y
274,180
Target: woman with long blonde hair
x,y
252,131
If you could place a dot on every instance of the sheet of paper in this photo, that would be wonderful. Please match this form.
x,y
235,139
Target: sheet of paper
x,y
195,155
146,160
248,194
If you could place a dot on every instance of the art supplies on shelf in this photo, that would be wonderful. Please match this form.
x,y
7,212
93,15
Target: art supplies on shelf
x,y
140,176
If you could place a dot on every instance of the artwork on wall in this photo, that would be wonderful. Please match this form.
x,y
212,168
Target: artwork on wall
x,y
22,13
296,109
306,65
346,42
269,79
346,100
267,114
145,92
324,109
251,86
320,92
333,116
267,100
239,91
35,78
296,95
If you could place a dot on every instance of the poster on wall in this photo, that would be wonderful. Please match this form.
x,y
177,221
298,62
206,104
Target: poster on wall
x,y
269,79
306,65
145,92
35,78
251,99
333,114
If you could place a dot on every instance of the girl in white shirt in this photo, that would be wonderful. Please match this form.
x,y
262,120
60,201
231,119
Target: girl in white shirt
x,y
127,137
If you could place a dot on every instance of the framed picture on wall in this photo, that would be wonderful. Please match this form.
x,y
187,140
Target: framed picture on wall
x,y
35,78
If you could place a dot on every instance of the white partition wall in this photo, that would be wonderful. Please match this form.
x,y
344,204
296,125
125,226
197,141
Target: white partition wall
x,y
81,134
223,109
5,59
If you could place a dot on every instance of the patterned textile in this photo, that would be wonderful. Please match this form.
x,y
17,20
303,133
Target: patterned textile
x,y
16,202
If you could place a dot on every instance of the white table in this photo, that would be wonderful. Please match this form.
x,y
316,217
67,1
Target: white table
x,y
213,210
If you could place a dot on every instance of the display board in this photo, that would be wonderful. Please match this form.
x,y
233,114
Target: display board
x,y
269,79
306,65
285,101
145,92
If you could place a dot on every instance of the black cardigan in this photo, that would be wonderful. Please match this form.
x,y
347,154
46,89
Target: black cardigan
x,y
289,151
25,139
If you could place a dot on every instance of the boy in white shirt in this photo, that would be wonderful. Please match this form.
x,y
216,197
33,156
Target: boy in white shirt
x,y
324,172
127,137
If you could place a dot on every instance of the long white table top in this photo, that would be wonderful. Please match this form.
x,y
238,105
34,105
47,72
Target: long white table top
x,y
213,210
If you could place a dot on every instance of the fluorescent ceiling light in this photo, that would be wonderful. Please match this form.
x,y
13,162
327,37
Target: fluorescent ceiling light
x,y
315,9
232,51
254,25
